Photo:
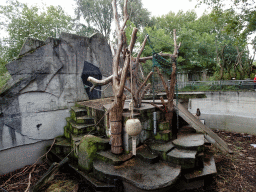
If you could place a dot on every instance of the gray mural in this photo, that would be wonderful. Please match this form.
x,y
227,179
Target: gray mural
x,y
45,82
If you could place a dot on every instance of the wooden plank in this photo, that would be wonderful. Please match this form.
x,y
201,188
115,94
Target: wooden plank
x,y
197,124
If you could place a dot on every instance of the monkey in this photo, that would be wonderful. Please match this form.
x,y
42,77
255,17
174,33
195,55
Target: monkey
x,y
198,113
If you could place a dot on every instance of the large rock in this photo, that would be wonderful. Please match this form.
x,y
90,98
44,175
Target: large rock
x,y
45,83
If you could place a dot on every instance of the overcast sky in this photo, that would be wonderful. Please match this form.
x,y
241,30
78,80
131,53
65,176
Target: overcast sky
x,y
156,7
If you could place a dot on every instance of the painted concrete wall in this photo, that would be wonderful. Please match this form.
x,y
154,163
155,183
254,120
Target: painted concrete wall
x,y
231,111
18,157
46,82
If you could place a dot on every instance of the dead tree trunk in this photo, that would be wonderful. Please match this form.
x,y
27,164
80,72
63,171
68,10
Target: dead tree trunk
x,y
118,79
169,107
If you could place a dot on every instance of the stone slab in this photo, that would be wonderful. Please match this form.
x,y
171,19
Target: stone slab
x,y
208,169
197,124
185,158
190,141
146,154
77,112
80,128
84,120
107,156
161,148
140,174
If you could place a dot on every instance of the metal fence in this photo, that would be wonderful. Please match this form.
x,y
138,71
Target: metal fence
x,y
217,85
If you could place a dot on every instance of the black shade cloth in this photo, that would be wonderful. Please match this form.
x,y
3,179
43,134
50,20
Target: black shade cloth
x,y
93,71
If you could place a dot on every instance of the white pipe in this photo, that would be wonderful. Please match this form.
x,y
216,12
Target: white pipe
x,y
154,118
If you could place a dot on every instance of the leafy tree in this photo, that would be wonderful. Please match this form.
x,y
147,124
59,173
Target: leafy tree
x,y
138,15
98,14
245,18
177,21
197,51
21,21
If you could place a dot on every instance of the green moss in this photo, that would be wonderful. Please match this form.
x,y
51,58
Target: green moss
x,y
158,136
163,136
163,125
79,105
87,152
66,132
73,115
80,121
164,156
68,121
89,111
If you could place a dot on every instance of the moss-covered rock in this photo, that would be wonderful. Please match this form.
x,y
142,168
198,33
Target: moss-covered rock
x,y
77,129
87,151
66,132
77,112
165,135
163,126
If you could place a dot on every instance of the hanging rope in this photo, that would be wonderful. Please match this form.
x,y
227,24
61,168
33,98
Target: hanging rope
x,y
131,104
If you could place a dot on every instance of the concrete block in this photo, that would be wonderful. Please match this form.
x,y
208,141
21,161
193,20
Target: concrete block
x,y
87,151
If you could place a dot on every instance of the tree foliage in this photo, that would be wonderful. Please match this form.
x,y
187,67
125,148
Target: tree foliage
x,y
206,45
244,19
138,15
21,21
98,14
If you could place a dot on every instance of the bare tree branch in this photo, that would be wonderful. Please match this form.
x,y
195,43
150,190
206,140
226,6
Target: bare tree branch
x,y
163,81
126,17
159,107
144,83
97,82
141,50
127,63
115,14
144,91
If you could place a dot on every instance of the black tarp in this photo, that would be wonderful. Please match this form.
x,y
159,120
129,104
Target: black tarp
x,y
93,71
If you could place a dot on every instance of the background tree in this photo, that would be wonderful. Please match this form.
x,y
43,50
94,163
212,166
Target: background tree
x,y
21,21
98,14
138,15
245,14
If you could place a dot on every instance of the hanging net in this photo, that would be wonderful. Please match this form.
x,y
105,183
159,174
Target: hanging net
x,y
166,67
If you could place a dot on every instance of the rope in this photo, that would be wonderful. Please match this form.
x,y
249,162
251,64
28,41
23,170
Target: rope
x,y
177,97
131,103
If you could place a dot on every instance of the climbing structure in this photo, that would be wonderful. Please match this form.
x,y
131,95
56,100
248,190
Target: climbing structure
x,y
183,162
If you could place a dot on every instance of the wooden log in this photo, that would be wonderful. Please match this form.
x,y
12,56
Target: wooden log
x,y
49,175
